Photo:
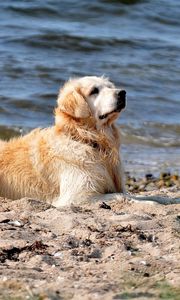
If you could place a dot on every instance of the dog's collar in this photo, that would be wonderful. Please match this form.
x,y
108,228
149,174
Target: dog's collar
x,y
91,143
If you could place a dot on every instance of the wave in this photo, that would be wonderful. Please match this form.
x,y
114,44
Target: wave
x,y
66,40
152,134
34,11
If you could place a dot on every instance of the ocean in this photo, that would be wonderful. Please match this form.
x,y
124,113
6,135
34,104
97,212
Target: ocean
x,y
134,43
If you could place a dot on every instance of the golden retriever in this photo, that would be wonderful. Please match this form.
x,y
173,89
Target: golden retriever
x,y
74,160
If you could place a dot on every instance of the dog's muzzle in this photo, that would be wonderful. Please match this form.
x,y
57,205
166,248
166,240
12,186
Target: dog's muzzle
x,y
121,103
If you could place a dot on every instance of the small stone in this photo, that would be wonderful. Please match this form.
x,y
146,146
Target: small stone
x,y
160,183
165,175
104,205
143,262
141,187
149,176
150,187
87,243
58,254
15,223
96,253
4,278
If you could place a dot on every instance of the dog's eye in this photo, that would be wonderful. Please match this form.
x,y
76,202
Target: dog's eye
x,y
94,91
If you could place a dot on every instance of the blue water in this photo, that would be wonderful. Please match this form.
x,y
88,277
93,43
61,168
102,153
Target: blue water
x,y
135,43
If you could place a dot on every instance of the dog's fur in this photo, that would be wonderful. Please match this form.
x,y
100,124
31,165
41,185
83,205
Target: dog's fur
x,y
75,160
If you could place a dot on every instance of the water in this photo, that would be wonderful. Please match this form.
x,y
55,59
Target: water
x,y
135,43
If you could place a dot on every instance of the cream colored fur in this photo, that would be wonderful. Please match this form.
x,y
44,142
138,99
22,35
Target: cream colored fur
x,y
73,161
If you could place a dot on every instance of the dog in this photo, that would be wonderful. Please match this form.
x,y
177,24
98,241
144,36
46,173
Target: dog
x,y
75,160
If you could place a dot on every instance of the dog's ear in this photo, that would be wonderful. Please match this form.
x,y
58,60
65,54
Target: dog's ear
x,y
73,104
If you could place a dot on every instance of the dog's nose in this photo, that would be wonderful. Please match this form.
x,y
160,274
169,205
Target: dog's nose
x,y
122,95
121,99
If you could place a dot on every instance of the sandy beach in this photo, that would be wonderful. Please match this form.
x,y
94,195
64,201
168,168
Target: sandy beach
x,y
97,251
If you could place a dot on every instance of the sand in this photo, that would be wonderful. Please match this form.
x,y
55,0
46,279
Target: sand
x,y
98,251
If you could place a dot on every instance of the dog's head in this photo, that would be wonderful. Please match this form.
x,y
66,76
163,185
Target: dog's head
x,y
91,97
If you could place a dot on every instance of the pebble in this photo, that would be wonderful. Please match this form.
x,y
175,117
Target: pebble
x,y
15,223
96,253
150,187
58,254
143,262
